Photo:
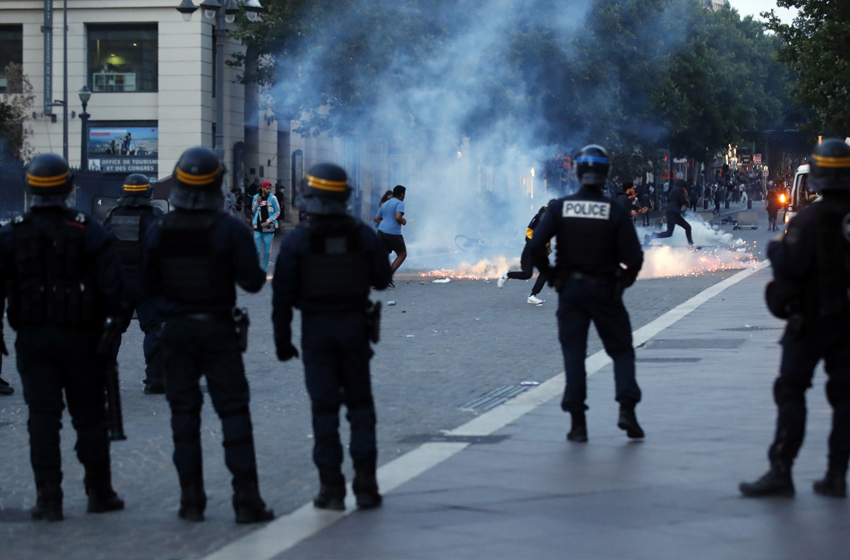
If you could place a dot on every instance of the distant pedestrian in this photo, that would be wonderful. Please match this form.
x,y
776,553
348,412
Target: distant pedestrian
x,y
266,211
530,260
390,218
676,201
772,207
387,195
718,198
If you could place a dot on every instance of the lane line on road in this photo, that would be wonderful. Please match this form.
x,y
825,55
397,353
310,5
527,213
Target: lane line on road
x,y
287,531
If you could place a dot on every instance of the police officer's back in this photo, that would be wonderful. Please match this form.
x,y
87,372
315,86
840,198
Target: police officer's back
x,y
62,278
811,289
595,236
128,223
193,258
325,268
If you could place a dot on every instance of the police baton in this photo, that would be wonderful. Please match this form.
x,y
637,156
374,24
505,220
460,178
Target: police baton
x,y
111,332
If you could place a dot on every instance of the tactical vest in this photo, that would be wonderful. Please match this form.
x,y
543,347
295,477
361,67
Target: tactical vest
x,y
126,223
53,284
336,267
587,235
193,272
833,257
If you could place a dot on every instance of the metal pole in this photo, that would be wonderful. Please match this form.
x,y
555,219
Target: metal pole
x,y
65,81
220,34
47,29
84,152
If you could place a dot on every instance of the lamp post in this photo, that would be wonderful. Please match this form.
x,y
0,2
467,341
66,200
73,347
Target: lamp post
x,y
212,9
85,95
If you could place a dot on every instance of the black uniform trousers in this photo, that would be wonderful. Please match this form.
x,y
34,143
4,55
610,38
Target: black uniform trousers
x,y
827,339
336,368
134,299
675,219
52,360
580,302
528,262
192,348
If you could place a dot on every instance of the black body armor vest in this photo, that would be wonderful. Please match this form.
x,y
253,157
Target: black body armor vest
x,y
193,272
126,224
54,282
336,267
586,236
833,257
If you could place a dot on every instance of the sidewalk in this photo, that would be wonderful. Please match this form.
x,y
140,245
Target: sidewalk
x,y
522,491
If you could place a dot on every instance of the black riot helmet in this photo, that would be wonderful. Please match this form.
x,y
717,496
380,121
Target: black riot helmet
x,y
48,176
593,164
198,177
830,166
326,190
137,185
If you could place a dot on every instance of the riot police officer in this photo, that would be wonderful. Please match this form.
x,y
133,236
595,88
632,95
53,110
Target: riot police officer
x,y
128,223
811,289
193,258
62,277
325,268
595,237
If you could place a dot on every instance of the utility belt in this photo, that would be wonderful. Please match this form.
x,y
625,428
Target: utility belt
x,y
561,277
237,318
371,312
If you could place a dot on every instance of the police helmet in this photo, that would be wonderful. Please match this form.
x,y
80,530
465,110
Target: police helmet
x,y
593,164
48,175
198,177
137,185
326,190
830,166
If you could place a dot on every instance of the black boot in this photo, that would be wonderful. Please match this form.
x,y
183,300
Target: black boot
x,y
193,502
154,387
249,506
628,421
578,431
48,505
776,482
833,484
5,388
365,488
331,492
103,500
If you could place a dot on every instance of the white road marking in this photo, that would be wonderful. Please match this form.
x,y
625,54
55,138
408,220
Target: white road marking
x,y
287,531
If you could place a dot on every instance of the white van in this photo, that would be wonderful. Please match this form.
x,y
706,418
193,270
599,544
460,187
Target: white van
x,y
800,196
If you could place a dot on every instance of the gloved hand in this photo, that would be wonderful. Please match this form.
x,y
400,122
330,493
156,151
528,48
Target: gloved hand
x,y
286,351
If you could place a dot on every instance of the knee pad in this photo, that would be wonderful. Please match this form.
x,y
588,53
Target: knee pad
x,y
785,392
837,393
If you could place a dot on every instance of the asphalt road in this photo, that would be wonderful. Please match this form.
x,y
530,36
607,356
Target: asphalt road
x,y
444,346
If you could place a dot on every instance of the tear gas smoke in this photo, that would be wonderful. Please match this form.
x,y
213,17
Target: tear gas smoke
x,y
464,135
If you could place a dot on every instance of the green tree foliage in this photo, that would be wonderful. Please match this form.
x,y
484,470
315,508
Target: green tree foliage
x,y
816,49
15,105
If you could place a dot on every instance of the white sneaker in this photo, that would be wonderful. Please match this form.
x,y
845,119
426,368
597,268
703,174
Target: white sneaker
x,y
535,300
502,279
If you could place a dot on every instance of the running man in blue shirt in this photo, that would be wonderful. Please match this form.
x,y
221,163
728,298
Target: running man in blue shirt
x,y
390,218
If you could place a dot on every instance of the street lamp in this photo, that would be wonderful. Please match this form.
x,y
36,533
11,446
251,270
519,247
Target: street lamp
x,y
85,95
213,10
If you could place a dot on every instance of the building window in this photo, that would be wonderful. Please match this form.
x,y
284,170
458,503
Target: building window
x,y
11,52
122,58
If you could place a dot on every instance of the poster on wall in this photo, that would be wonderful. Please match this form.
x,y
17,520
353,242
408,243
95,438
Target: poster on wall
x,y
124,149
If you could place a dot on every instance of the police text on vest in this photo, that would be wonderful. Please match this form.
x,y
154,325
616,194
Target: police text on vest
x,y
582,209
